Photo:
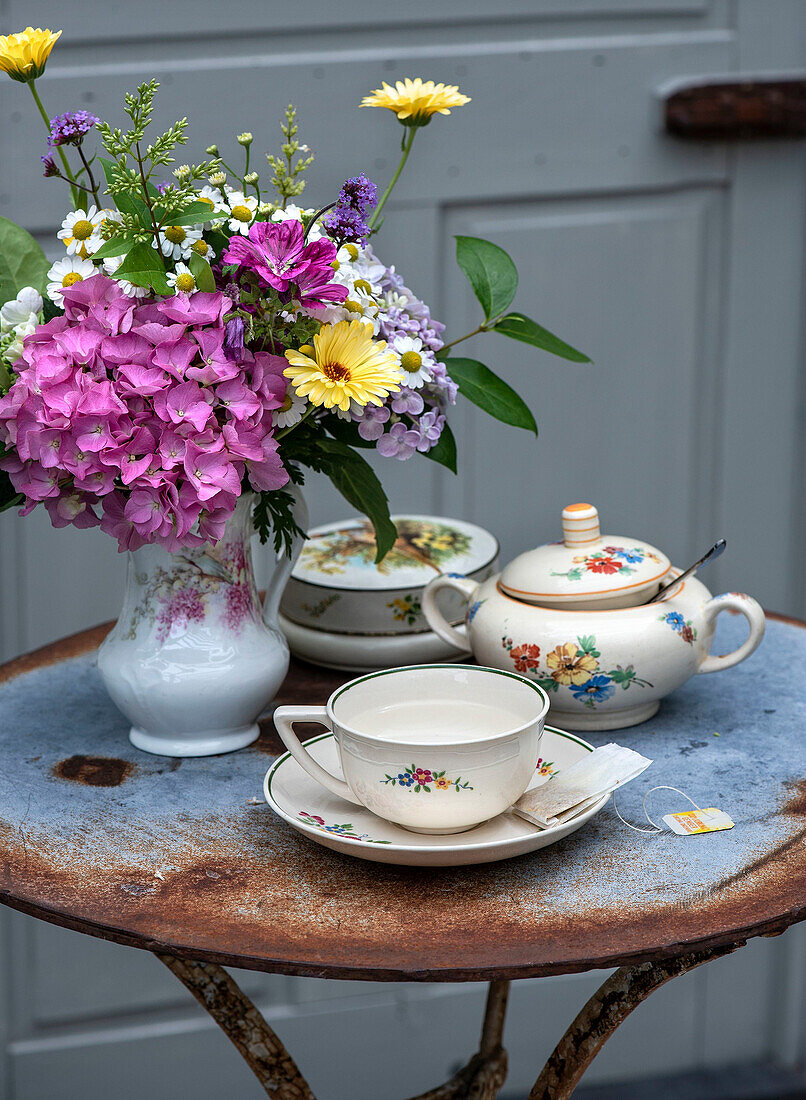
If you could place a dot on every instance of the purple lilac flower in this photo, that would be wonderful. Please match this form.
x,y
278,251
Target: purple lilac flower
x,y
372,421
71,128
431,425
347,222
407,401
399,442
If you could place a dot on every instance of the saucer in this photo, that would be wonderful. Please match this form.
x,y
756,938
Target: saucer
x,y
328,820
366,652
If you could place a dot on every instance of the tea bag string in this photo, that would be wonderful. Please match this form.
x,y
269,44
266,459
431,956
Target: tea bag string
x,y
656,828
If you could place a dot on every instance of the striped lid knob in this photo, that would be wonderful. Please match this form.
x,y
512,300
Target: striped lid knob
x,y
580,525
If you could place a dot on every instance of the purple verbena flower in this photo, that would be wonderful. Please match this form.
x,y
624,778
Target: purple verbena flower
x,y
50,166
347,222
71,128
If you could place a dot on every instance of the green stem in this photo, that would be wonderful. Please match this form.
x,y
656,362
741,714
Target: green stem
x,y
482,328
407,144
46,119
93,185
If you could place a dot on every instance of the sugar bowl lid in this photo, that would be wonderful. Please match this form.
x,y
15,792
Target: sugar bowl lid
x,y
586,569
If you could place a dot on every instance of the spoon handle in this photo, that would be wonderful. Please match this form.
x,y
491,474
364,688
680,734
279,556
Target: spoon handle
x,y
715,551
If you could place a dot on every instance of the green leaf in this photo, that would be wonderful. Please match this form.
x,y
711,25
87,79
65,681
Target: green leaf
x,y
116,246
491,393
522,328
490,272
22,261
143,266
355,479
195,212
346,431
444,452
201,271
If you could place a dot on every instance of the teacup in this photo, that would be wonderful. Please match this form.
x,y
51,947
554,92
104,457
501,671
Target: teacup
x,y
434,748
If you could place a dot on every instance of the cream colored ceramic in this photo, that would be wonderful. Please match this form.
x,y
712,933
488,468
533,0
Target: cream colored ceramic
x,y
337,588
326,819
434,748
587,569
602,669
369,652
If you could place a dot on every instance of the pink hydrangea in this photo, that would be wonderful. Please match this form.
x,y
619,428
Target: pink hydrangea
x,y
130,415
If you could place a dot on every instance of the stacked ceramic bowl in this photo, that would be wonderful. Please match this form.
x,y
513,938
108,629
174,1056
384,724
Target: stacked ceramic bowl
x,y
343,611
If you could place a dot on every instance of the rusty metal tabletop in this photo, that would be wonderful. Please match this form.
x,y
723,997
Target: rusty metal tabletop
x,y
185,857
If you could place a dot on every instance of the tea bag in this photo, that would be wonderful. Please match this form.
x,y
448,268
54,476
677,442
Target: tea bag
x,y
576,788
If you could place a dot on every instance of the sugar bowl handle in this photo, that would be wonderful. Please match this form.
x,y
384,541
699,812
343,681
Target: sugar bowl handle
x,y
752,611
284,719
455,636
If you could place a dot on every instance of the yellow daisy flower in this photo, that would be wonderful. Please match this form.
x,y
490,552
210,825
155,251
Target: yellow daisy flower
x,y
24,55
569,665
415,101
345,364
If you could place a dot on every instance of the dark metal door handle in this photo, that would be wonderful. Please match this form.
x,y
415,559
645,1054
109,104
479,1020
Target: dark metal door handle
x,y
735,110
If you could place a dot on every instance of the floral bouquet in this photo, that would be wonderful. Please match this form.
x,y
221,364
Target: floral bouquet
x,y
204,336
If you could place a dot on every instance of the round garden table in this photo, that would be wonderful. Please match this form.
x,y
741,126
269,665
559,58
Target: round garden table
x,y
183,858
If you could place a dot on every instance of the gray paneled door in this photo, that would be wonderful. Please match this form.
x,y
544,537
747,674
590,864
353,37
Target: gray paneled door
x,y
677,266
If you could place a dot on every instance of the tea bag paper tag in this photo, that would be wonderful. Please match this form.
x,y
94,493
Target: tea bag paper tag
x,y
574,789
692,822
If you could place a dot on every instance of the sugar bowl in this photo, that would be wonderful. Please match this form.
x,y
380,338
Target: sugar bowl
x,y
573,617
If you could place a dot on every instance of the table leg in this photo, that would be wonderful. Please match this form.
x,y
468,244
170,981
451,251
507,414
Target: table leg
x,y
485,1073
241,1022
605,1011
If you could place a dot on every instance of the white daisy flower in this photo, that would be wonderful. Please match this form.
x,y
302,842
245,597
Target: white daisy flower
x,y
297,213
66,272
176,241
361,305
111,264
415,364
20,310
216,199
81,232
291,411
241,211
182,279
202,248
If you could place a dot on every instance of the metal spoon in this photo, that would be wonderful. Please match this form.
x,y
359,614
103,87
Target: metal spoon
x,y
712,555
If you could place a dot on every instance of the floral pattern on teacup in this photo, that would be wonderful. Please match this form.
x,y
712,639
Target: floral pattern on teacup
x,y
680,625
576,666
339,830
608,561
424,779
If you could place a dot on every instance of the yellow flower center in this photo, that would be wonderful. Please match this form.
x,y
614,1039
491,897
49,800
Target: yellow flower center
x,y
185,281
242,213
352,306
286,405
352,251
410,361
72,277
362,284
336,372
201,248
207,199
82,229
175,234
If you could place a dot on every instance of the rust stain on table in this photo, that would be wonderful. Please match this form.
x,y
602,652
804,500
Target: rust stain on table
x,y
191,860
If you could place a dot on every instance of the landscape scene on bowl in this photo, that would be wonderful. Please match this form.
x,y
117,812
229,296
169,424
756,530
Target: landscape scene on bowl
x,y
421,544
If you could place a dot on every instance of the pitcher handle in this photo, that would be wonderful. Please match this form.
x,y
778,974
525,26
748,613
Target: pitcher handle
x,y
752,611
284,719
455,636
284,563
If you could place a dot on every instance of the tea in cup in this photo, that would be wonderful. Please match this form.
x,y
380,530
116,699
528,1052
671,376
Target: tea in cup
x,y
434,748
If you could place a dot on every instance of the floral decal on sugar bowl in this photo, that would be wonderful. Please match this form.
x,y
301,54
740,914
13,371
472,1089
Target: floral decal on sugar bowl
x,y
608,561
345,830
424,779
680,625
576,666
406,609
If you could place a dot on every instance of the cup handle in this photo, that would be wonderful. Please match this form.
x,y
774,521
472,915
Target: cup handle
x,y
284,719
455,636
752,611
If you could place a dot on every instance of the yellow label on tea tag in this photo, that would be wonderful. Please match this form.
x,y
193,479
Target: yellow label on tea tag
x,y
698,821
